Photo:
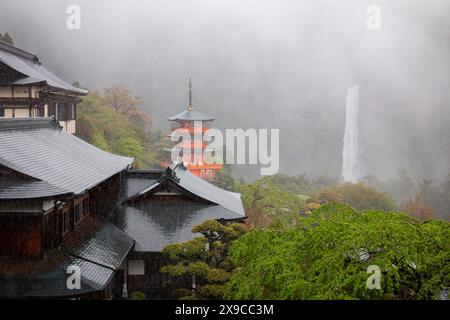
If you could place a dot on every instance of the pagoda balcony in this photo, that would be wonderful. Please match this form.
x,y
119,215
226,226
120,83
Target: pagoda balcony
x,y
193,145
204,166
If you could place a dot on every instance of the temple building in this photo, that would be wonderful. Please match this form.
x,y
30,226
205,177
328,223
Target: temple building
x,y
28,89
65,203
196,124
55,191
159,207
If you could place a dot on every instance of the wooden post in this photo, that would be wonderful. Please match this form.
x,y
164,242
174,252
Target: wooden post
x,y
125,275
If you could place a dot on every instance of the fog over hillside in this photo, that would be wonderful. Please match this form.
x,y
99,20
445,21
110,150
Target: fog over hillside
x,y
268,64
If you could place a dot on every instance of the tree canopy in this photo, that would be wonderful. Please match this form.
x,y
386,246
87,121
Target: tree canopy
x,y
204,259
327,255
356,195
125,133
266,203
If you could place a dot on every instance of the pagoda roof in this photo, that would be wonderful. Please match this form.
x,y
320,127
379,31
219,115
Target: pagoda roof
x,y
190,115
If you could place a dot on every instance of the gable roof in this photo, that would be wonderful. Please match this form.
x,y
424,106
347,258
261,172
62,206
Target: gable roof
x,y
34,72
202,188
39,148
154,222
178,174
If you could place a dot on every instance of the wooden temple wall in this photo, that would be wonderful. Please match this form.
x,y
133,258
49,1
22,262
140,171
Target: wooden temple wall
x,y
21,236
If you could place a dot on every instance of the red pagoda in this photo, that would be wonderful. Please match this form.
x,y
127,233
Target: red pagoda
x,y
196,124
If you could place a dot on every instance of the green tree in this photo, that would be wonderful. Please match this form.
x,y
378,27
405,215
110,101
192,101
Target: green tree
x,y
204,260
119,132
298,184
224,178
265,203
357,195
129,146
328,254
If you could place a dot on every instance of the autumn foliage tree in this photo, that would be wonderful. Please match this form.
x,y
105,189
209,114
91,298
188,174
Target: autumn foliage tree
x,y
124,130
418,209
120,99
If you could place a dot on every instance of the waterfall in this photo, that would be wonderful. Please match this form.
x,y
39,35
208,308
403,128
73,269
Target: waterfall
x,y
350,151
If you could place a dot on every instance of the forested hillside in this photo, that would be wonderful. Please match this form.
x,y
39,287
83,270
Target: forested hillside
x,y
113,121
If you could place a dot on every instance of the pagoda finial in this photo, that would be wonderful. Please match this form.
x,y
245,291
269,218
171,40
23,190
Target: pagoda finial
x,y
190,95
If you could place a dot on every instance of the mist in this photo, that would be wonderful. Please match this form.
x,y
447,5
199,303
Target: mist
x,y
267,64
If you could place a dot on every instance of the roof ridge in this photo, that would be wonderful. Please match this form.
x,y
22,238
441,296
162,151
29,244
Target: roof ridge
x,y
20,52
10,124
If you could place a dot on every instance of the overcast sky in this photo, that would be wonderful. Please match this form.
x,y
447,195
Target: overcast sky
x,y
267,64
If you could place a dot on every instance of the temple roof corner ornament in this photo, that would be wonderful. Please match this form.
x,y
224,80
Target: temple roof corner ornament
x,y
169,173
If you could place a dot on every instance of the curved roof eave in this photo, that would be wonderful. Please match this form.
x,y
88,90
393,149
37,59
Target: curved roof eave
x,y
190,115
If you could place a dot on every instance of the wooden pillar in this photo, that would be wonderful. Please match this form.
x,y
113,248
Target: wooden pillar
x,y
125,278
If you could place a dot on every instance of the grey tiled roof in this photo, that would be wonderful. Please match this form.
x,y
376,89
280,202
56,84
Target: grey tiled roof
x,y
154,225
97,247
99,241
23,189
29,65
201,188
39,148
48,277
190,115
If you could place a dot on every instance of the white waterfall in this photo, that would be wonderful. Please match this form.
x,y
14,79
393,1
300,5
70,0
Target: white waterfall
x,y
351,150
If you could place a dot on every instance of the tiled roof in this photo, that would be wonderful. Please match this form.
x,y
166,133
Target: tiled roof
x,y
99,241
97,247
190,115
48,277
199,187
23,189
154,225
39,148
202,188
34,72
